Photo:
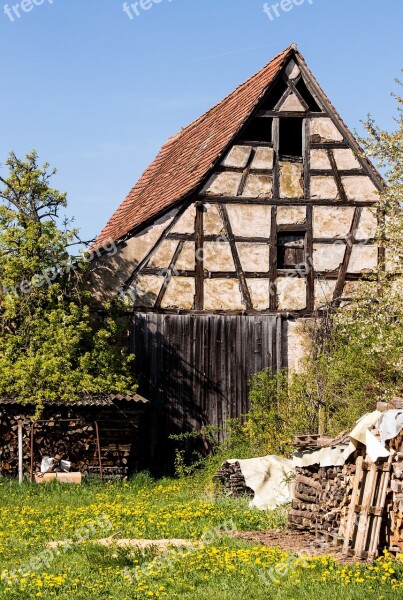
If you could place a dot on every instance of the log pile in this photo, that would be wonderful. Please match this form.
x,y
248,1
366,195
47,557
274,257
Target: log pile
x,y
396,512
9,444
305,504
360,503
231,479
74,440
320,498
334,498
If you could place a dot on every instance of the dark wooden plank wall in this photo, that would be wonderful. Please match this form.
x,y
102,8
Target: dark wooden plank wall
x,y
195,368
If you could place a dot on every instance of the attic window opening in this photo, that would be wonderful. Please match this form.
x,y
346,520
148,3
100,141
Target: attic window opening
x,y
291,137
257,130
274,95
307,96
291,250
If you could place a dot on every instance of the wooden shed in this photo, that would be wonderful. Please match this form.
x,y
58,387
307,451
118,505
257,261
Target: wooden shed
x,y
100,435
247,222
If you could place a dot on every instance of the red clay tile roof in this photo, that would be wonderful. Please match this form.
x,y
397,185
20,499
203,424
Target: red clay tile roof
x,y
186,158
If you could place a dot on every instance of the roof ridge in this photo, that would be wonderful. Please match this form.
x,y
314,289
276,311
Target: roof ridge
x,y
186,158
290,48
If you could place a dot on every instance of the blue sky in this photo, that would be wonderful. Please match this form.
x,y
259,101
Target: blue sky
x,y
97,92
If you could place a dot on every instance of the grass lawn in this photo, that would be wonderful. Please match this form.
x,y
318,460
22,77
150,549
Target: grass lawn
x,y
214,566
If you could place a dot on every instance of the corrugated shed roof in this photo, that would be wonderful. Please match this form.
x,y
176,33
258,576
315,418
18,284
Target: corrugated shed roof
x,y
89,400
186,158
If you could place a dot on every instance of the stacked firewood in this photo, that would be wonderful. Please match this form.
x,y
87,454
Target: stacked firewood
x,y
73,440
9,444
231,479
320,497
305,504
334,498
396,512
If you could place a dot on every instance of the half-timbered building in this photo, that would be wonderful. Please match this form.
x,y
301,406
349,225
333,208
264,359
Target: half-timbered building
x,y
248,221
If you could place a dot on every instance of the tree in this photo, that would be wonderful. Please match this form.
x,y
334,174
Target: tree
x,y
359,357
53,346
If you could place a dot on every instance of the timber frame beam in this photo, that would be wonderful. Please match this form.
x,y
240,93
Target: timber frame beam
x,y
338,292
199,257
237,262
276,201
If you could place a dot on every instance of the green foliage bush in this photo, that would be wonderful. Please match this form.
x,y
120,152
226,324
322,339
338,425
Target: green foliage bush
x,y
53,345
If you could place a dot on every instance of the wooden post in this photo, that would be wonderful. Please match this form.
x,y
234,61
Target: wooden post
x,y
20,452
99,451
348,534
322,420
32,451
199,257
279,339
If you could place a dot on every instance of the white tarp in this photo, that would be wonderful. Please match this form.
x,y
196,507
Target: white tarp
x,y
390,424
375,449
336,456
271,478
359,432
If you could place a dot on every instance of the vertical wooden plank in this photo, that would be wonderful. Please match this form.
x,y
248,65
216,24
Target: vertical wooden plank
x,y
273,228
381,248
279,338
244,368
217,379
192,386
354,500
310,283
379,502
235,339
20,452
205,352
179,328
226,370
241,379
99,452
258,341
362,532
273,260
276,158
199,258
265,350
223,373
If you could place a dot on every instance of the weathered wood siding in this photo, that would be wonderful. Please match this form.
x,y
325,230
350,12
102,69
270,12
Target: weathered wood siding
x,y
195,368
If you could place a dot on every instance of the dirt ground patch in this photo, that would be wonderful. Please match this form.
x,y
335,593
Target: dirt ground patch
x,y
160,545
291,541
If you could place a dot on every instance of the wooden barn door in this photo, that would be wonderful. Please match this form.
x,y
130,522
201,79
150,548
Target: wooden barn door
x,y
195,368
